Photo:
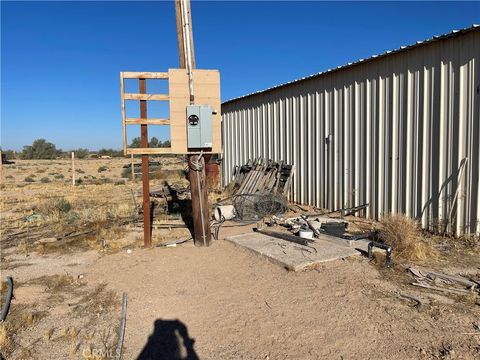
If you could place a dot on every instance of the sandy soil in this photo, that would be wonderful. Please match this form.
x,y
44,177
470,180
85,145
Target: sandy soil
x,y
220,302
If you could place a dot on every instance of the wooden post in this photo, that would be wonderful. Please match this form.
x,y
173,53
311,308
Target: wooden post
x,y
133,168
198,189
147,241
1,167
73,168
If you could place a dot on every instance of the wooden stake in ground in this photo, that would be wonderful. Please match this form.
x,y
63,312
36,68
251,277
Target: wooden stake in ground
x,y
133,169
73,168
147,241
1,167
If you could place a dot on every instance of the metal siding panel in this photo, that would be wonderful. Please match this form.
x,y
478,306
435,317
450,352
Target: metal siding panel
x,y
391,132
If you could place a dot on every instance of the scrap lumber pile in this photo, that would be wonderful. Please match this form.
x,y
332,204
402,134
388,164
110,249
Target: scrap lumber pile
x,y
262,176
435,280
260,188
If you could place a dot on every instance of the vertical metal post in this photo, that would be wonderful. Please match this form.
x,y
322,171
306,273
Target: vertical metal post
x,y
147,241
73,168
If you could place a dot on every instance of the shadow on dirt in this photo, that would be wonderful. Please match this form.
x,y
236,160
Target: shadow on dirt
x,y
169,340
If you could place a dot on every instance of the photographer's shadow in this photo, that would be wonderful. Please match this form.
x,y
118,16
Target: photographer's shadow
x,y
169,340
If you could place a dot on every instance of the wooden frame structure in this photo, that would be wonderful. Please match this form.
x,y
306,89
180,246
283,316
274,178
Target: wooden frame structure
x,y
207,92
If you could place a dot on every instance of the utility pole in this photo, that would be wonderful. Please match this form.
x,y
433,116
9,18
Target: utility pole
x,y
196,163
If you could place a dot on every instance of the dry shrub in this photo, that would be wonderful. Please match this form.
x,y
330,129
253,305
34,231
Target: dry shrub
x,y
54,207
99,301
56,283
4,337
32,317
403,234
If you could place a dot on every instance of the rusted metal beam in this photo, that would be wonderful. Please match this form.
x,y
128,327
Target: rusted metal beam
x,y
147,240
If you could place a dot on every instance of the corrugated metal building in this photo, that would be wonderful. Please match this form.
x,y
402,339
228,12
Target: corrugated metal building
x,y
399,131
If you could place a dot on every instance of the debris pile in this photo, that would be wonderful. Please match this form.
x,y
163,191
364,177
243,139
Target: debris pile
x,y
262,176
434,280
260,188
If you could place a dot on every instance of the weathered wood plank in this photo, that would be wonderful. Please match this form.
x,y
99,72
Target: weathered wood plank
x,y
147,121
161,97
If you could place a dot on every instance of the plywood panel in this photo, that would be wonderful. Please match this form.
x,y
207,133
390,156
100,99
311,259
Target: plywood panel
x,y
206,88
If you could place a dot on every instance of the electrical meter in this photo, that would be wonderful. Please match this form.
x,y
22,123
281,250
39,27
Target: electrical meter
x,y
199,126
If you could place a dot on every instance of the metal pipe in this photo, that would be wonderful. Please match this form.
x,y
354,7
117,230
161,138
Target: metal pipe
x,y
386,247
187,47
8,299
121,335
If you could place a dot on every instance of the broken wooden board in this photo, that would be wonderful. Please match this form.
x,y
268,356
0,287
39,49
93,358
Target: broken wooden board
x,y
292,256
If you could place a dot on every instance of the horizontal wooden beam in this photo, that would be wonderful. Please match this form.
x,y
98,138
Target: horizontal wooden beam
x,y
149,151
147,121
144,75
161,97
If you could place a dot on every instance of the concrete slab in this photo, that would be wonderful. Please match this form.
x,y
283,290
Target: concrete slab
x,y
293,256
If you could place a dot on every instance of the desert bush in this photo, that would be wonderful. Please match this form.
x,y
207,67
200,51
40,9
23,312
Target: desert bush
x,y
45,180
40,149
102,169
127,173
59,176
80,171
55,206
403,234
29,179
41,171
10,177
81,153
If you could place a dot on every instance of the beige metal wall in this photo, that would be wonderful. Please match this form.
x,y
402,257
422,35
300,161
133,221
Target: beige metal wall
x,y
392,132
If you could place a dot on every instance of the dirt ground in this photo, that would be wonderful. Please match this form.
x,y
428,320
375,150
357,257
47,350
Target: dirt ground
x,y
71,268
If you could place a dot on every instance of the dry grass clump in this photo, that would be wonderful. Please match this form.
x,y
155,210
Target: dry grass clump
x,y
5,340
54,207
403,234
33,317
99,301
57,283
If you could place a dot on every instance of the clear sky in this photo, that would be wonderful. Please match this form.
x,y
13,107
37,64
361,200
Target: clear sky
x,y
60,61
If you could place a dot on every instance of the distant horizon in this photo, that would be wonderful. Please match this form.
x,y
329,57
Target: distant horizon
x,y
49,76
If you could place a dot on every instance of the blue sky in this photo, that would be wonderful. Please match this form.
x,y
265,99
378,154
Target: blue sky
x,y
60,61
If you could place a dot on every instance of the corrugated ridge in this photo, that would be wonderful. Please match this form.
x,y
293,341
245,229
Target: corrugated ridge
x,y
362,61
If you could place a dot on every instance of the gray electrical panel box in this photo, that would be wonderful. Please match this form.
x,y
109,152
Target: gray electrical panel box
x,y
199,126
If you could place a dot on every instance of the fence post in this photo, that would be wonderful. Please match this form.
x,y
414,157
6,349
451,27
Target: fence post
x,y
73,168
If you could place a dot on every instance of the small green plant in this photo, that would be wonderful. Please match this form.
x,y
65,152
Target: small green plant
x,y
79,181
80,171
102,169
29,179
45,180
59,176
